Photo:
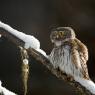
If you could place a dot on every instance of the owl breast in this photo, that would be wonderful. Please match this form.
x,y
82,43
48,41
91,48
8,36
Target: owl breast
x,y
60,57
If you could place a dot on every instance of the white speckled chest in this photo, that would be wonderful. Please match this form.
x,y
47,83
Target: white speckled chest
x,y
60,57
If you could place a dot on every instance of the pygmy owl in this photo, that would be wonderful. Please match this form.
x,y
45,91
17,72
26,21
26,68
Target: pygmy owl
x,y
70,56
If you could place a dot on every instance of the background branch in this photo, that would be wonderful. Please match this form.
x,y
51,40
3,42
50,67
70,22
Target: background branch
x,y
38,56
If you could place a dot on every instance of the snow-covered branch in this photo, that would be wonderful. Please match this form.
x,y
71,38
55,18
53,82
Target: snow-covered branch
x,y
28,41
32,45
4,91
80,90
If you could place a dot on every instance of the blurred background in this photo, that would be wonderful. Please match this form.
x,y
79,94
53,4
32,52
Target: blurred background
x,y
37,17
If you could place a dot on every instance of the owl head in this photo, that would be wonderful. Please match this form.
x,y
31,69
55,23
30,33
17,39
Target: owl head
x,y
62,34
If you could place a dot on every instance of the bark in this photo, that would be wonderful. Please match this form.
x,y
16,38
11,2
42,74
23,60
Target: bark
x,y
44,61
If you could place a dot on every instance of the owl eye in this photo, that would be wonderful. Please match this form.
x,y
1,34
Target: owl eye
x,y
61,33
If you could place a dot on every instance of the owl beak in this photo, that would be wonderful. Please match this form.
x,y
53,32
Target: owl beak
x,y
57,36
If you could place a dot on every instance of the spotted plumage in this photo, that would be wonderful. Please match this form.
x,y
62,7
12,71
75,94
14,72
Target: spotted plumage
x,y
70,56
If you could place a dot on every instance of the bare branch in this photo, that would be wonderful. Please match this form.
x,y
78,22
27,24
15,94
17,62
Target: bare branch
x,y
25,68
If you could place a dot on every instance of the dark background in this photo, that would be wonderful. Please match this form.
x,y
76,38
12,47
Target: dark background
x,y
37,17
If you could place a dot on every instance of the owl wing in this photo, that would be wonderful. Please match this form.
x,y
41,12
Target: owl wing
x,y
82,50
80,57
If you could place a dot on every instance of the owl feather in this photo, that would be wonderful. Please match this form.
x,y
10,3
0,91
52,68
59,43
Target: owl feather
x,y
70,55
80,51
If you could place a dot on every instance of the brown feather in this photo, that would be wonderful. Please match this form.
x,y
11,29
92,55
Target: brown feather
x,y
83,54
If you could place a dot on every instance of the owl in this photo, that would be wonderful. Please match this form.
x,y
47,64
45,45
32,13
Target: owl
x,y
70,56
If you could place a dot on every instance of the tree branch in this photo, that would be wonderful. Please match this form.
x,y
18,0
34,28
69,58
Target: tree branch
x,y
80,90
44,60
4,91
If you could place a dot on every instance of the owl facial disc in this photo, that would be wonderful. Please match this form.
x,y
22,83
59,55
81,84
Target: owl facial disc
x,y
62,34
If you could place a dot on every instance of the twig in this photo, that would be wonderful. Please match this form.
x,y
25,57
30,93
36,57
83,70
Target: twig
x,y
25,68
38,56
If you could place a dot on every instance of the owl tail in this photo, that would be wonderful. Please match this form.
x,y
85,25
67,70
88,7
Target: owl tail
x,y
88,84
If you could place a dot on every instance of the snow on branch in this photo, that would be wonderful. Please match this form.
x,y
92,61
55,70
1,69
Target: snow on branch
x,y
32,45
28,41
4,91
80,90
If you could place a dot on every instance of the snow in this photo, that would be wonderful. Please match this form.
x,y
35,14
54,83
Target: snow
x,y
5,91
0,35
30,41
42,52
25,61
61,58
88,84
